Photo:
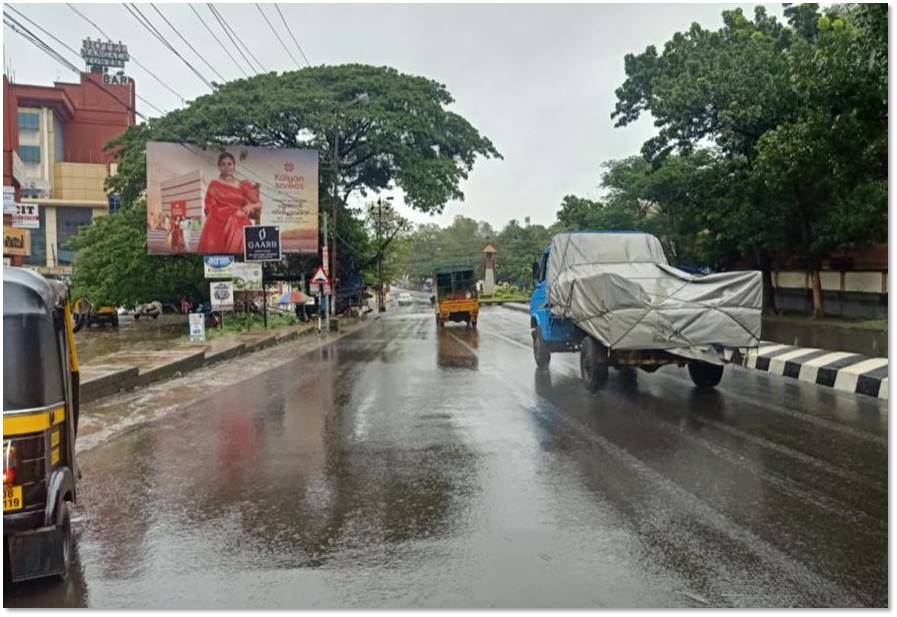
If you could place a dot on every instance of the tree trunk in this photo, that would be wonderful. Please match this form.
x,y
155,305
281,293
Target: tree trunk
x,y
816,283
769,292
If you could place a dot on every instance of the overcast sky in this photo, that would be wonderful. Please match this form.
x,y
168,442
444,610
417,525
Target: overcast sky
x,y
538,80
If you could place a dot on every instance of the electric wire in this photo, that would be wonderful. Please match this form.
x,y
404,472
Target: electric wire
x,y
130,55
237,36
146,23
221,23
287,26
75,52
217,40
270,25
17,27
187,43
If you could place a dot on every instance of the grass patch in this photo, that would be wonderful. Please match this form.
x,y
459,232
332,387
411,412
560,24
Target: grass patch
x,y
237,323
501,299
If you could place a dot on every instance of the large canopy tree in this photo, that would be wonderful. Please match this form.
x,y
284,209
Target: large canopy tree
x,y
392,131
798,111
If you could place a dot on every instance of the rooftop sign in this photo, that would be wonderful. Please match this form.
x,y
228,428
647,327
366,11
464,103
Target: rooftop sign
x,y
104,54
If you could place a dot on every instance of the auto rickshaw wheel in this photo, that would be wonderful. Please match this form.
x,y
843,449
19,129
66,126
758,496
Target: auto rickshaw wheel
x,y
64,522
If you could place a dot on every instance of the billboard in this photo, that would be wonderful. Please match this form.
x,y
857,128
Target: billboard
x,y
246,277
199,201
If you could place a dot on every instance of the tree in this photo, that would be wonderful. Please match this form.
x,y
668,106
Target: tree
x,y
798,113
112,266
404,137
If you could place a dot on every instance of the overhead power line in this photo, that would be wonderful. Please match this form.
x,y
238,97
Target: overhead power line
x,y
148,25
217,40
130,55
187,43
287,26
285,48
12,23
227,26
74,51
227,32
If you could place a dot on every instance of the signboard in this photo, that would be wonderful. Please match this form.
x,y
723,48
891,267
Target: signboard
x,y
262,243
212,195
197,327
319,277
9,200
222,294
246,276
16,241
104,54
27,216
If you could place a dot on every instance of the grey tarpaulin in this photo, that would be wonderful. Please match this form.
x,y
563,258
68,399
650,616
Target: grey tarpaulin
x,y
620,288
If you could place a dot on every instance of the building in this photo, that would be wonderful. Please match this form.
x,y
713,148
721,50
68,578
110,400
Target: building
x,y
53,156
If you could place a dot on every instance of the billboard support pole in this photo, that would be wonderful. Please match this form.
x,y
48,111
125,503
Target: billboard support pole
x,y
265,294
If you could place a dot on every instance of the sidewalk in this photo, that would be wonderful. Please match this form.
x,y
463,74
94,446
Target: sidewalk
x,y
136,367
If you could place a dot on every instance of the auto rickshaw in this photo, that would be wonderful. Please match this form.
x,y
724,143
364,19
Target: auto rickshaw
x,y
456,295
40,422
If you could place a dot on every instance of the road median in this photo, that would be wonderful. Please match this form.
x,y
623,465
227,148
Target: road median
x,y
124,370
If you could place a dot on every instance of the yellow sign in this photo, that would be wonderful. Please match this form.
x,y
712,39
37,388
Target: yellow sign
x,y
12,498
16,241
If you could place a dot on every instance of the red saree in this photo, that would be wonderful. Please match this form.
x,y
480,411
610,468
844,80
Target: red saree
x,y
222,232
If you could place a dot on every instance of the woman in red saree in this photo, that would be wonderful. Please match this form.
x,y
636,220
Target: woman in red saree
x,y
230,205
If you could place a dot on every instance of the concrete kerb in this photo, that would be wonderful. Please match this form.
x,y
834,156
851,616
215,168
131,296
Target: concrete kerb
x,y
126,370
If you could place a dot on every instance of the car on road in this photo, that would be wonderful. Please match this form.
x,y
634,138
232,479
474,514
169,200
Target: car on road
x,y
150,309
405,299
103,315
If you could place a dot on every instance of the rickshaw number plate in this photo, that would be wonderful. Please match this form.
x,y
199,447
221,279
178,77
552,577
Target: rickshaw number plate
x,y
12,498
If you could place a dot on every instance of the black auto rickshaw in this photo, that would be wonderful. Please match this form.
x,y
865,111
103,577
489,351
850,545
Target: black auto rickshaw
x,y
40,422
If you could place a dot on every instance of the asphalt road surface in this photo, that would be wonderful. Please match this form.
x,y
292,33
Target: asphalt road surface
x,y
405,466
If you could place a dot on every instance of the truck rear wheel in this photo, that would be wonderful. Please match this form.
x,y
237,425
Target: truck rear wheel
x,y
593,366
540,349
705,375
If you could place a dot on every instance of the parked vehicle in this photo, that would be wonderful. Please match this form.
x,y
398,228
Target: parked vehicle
x,y
40,423
614,298
405,299
456,295
150,309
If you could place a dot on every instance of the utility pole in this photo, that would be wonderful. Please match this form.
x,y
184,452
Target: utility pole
x,y
380,307
320,287
334,166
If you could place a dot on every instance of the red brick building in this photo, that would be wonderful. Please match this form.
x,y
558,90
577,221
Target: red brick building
x,y
53,156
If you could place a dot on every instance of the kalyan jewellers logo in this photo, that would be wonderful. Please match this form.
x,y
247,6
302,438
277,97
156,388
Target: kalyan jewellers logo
x,y
288,180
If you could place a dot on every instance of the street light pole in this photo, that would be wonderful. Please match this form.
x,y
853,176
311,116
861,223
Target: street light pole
x,y
380,307
334,165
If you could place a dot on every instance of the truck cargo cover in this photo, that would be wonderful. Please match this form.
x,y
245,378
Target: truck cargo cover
x,y
620,288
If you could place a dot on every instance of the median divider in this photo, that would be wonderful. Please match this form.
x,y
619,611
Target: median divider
x,y
125,370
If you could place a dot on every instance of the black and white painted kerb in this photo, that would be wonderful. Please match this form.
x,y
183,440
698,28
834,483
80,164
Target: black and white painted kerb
x,y
841,370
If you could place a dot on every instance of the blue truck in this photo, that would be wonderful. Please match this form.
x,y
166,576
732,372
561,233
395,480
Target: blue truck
x,y
614,298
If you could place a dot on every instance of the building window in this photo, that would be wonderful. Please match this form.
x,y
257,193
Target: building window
x,y
57,136
29,154
68,220
38,255
29,121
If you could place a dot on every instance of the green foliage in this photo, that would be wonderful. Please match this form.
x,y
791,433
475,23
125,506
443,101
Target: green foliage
x,y
402,137
797,113
236,323
112,266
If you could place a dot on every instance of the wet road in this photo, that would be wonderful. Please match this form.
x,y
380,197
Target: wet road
x,y
144,333
402,466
